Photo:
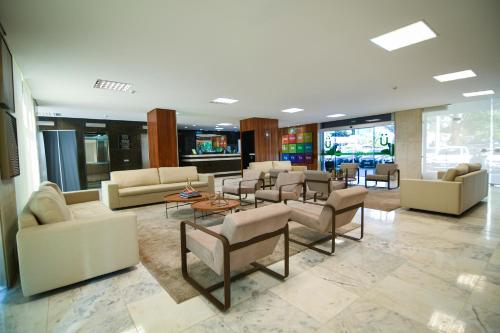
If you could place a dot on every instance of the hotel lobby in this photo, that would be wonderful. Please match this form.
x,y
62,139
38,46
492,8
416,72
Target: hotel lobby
x,y
265,166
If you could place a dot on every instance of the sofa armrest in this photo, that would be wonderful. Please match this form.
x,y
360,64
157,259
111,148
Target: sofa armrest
x,y
110,195
440,174
59,254
432,195
210,179
81,196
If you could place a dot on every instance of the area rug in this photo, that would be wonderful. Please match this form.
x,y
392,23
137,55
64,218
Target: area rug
x,y
159,243
383,199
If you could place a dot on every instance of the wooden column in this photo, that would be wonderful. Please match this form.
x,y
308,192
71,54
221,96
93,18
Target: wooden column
x,y
266,135
162,138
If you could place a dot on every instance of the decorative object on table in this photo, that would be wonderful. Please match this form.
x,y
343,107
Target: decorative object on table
x,y
189,191
217,200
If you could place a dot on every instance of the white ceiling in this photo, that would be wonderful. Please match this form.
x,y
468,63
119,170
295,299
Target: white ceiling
x,y
271,55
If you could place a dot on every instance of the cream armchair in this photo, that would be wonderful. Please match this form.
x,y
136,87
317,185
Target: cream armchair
x,y
242,239
319,184
251,181
330,218
64,238
288,186
384,173
351,171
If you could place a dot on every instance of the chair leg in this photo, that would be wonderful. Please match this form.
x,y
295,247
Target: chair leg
x,y
255,202
362,233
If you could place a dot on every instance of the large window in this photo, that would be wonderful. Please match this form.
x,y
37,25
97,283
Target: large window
x,y
462,133
367,146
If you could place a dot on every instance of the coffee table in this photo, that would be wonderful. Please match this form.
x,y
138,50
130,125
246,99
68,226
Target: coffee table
x,y
183,201
206,207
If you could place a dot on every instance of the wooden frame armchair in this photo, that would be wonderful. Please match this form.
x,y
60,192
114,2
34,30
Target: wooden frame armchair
x,y
384,173
288,186
243,238
251,181
351,171
339,210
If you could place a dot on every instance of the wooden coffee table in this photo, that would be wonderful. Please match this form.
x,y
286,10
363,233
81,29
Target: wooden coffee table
x,y
207,208
183,201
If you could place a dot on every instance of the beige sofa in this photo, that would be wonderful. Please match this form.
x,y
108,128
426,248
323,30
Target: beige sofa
x,y
67,238
147,186
266,166
454,192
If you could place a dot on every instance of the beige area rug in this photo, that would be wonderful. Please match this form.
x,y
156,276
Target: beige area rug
x,y
383,199
159,242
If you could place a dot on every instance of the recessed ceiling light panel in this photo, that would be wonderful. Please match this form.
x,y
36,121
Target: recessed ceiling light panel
x,y
224,124
455,76
292,110
112,85
405,36
336,115
479,93
224,100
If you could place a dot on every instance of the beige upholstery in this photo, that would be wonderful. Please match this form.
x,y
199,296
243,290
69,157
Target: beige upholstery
x,y
445,196
450,175
239,227
320,218
381,172
350,169
283,165
288,192
132,178
261,166
48,206
266,166
147,186
317,183
54,186
170,175
92,242
248,185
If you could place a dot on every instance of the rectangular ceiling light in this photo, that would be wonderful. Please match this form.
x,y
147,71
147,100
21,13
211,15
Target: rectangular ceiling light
x,y
479,93
292,110
336,115
224,124
405,36
112,85
455,76
224,100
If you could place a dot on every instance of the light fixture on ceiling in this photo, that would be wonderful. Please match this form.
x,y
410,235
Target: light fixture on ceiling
x,y
48,114
479,93
372,120
224,124
224,100
455,76
235,127
112,85
185,127
405,36
219,128
292,110
194,125
336,115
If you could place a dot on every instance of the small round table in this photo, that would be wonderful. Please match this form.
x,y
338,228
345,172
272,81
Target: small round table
x,y
207,206
184,201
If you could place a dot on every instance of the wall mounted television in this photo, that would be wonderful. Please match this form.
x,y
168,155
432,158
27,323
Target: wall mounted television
x,y
9,154
6,77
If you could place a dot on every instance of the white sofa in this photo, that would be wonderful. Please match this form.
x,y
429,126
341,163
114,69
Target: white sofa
x,y
267,166
456,190
64,238
147,186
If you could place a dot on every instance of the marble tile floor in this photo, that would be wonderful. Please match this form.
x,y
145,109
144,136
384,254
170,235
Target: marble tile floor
x,y
413,272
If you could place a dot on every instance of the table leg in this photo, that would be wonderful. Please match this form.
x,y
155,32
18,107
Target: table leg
x,y
166,209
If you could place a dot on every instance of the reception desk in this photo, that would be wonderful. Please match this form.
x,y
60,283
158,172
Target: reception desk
x,y
218,164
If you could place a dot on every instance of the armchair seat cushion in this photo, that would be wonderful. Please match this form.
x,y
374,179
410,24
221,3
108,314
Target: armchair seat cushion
x,y
273,195
306,214
233,188
377,177
139,190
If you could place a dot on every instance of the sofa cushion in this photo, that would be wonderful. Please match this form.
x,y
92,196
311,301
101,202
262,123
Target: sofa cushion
x,y
450,175
283,165
261,166
55,187
273,195
170,175
174,187
88,209
133,178
48,207
462,169
474,167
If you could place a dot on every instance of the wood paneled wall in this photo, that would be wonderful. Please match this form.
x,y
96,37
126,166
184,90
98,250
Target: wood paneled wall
x,y
305,128
266,137
162,138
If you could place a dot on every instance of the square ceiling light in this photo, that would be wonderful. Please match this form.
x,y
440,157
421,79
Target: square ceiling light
x,y
405,36
112,85
455,76
479,93
336,115
292,110
224,100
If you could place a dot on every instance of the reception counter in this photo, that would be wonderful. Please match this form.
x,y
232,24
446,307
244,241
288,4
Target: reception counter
x,y
218,164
